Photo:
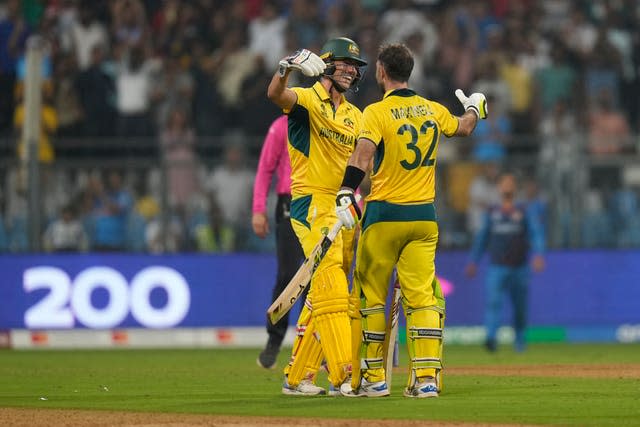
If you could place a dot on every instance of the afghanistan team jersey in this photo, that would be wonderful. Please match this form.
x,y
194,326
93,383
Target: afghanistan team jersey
x,y
321,140
405,128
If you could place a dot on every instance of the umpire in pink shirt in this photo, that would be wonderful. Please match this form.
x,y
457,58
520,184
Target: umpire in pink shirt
x,y
274,157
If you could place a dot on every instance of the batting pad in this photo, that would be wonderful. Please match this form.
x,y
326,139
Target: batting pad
x,y
306,359
330,300
424,339
373,332
356,334
309,355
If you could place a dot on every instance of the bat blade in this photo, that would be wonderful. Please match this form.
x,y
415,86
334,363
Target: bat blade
x,y
302,278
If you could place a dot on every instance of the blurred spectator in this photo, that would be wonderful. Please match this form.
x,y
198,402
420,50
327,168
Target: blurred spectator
x,y
84,34
48,125
96,89
134,91
232,64
67,99
257,110
305,23
482,194
128,23
488,81
13,35
231,187
403,20
173,89
556,81
209,112
609,131
602,72
521,88
169,237
491,136
178,147
267,34
110,210
65,233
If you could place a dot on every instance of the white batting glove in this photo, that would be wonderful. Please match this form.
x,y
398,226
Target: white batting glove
x,y
347,209
305,61
476,102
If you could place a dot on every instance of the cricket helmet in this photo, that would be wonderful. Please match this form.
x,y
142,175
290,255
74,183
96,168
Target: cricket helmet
x,y
342,48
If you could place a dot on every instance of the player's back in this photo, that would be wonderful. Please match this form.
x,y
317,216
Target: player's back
x,y
406,129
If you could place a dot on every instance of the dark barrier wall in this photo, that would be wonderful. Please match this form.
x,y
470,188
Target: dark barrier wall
x,y
577,289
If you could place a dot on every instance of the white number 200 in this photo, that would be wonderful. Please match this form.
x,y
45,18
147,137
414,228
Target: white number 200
x,y
67,298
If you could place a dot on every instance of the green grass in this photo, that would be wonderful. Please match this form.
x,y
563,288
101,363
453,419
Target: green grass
x,y
229,382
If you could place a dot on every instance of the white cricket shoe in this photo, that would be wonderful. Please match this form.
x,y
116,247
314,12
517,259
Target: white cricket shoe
x,y
423,389
305,388
366,389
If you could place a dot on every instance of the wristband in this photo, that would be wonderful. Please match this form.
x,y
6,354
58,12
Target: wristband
x,y
353,176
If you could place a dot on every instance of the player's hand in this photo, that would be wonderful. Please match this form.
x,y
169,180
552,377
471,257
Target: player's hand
x,y
347,209
537,263
260,224
305,61
475,102
471,270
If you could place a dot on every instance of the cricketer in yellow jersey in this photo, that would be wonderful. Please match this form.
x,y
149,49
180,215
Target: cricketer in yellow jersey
x,y
400,134
323,127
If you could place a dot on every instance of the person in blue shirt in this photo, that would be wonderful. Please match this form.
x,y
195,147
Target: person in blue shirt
x,y
510,234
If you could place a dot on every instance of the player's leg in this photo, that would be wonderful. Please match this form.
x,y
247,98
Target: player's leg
x,y
328,292
416,272
376,256
493,303
307,350
518,292
289,257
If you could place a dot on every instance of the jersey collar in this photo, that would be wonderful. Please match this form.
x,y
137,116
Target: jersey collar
x,y
322,92
403,92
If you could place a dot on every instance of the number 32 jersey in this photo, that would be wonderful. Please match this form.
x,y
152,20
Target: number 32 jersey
x,y
406,129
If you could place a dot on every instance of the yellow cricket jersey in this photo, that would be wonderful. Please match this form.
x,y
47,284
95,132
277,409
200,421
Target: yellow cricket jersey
x,y
406,129
321,140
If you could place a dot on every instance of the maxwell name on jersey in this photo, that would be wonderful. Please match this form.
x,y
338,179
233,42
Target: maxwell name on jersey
x,y
410,111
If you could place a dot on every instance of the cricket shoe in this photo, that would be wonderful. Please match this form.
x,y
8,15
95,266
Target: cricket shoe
x,y
305,388
267,357
334,391
423,389
366,389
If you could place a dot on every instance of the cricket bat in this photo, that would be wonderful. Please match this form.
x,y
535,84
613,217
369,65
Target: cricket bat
x,y
391,332
302,278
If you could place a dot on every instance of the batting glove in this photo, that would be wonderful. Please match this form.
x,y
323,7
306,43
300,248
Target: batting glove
x,y
347,209
476,102
305,61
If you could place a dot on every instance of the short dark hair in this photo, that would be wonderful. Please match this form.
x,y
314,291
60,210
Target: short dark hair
x,y
397,61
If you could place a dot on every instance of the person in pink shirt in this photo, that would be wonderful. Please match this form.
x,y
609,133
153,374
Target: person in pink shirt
x,y
274,157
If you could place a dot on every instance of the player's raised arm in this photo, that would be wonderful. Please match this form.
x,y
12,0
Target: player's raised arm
x,y
475,106
305,61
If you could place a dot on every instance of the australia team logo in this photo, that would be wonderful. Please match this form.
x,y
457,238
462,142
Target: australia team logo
x,y
348,123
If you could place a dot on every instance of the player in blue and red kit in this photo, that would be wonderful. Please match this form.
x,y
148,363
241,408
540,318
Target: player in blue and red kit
x,y
510,233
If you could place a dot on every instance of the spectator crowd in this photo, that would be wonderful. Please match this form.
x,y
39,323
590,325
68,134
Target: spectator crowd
x,y
161,79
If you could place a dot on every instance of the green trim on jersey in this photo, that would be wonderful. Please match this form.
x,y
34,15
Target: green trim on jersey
x,y
378,156
405,93
298,130
300,210
379,211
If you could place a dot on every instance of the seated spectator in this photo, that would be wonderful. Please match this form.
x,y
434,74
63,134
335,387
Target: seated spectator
x,y
609,130
65,234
